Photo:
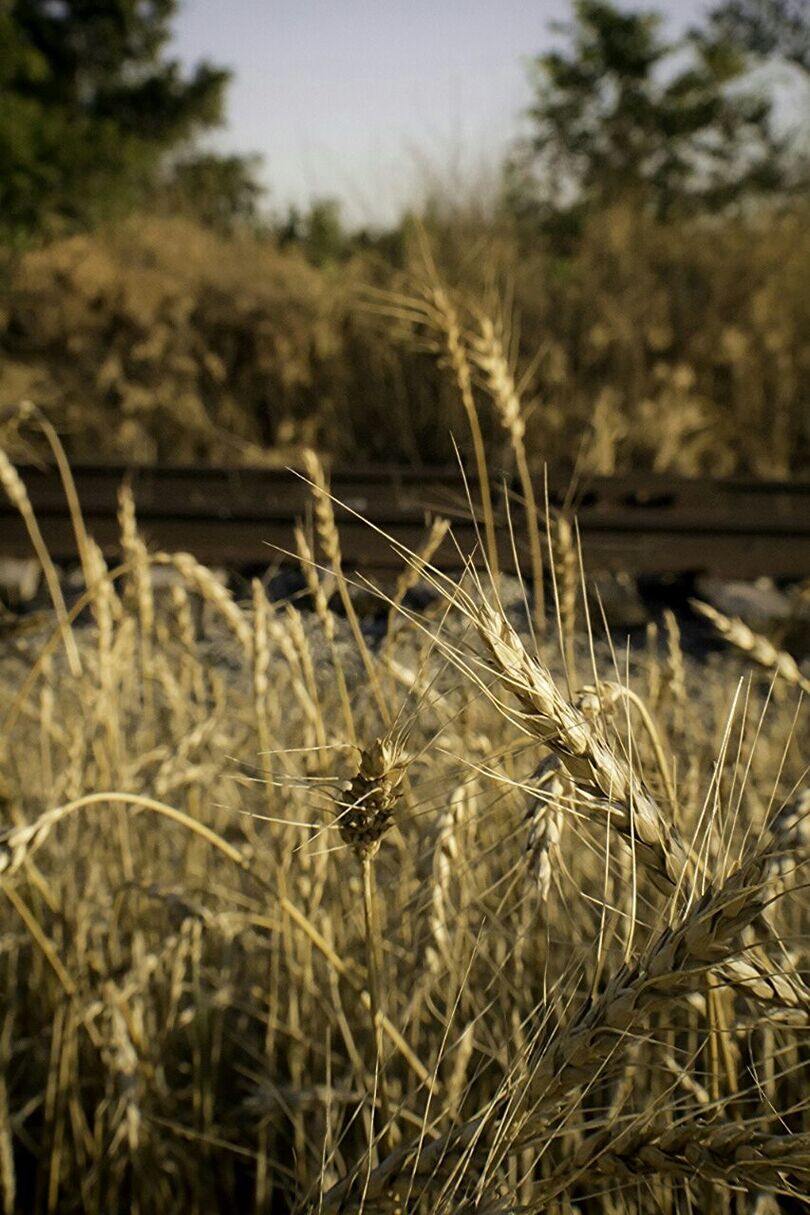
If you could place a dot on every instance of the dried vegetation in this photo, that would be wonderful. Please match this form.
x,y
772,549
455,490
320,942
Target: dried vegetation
x,y
294,921
677,347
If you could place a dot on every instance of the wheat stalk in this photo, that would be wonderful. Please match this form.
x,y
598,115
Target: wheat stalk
x,y
121,1059
595,769
8,1176
703,938
324,514
201,580
185,631
792,825
314,584
674,669
566,578
757,647
18,844
330,542
365,815
445,863
17,494
137,556
327,621
27,409
441,313
412,572
491,358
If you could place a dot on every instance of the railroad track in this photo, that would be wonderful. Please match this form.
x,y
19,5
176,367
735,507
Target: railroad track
x,y
642,524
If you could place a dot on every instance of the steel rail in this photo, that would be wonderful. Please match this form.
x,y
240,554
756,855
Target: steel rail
x,y
243,517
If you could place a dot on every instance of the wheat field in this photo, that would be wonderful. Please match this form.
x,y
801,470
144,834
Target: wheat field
x,y
493,914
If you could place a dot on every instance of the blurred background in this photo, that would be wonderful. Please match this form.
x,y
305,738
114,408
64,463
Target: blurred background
x,y
206,212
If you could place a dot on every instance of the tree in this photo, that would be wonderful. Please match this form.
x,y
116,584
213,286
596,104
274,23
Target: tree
x,y
90,106
221,191
765,28
621,112
319,233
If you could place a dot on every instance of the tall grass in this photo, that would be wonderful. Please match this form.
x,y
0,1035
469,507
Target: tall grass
x,y
280,937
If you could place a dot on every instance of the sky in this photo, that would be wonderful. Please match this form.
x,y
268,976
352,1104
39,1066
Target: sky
x,y
374,101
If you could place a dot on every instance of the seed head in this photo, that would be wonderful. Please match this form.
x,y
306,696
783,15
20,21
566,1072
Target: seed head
x,y
372,795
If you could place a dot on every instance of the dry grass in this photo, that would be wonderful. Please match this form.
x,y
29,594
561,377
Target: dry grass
x,y
680,347
294,923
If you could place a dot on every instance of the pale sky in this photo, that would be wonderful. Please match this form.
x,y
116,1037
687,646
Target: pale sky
x,y
365,100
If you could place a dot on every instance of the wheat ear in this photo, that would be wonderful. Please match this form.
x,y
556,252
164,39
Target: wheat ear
x,y
365,815
12,483
490,356
603,775
706,936
330,542
733,1153
29,409
757,647
703,938
201,580
137,555
441,313
545,817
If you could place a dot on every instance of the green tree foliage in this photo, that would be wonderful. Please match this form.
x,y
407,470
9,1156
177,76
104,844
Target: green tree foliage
x,y
766,27
221,191
622,112
319,233
90,105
